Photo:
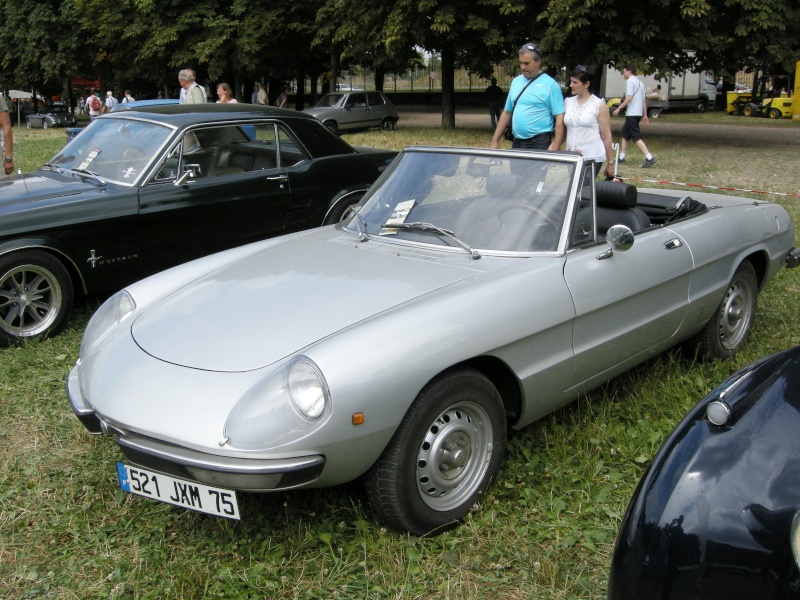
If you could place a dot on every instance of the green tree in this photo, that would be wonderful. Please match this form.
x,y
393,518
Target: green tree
x,y
465,34
39,45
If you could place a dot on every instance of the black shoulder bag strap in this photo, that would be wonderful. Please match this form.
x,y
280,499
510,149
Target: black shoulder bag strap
x,y
523,91
510,127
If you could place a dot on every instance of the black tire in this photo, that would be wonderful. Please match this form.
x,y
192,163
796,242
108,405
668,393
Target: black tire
x,y
387,124
775,113
443,456
332,127
45,125
751,110
700,106
36,296
338,211
28,124
729,326
653,113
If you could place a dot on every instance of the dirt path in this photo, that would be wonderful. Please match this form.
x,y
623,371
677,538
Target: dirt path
x,y
748,135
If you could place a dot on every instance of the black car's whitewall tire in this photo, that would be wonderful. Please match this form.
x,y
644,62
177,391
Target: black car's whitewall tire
x,y
442,457
36,296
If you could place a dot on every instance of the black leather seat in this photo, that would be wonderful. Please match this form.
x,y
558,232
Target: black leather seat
x,y
616,205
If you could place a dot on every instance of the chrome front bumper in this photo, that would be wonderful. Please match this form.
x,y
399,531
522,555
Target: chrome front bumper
x,y
245,474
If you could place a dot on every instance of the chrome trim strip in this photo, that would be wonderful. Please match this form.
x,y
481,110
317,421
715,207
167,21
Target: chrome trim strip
x,y
210,462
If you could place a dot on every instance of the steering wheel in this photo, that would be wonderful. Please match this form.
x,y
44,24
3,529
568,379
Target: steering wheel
x,y
133,153
532,209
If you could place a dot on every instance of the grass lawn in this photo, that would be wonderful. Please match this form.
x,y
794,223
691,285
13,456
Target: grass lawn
x,y
545,530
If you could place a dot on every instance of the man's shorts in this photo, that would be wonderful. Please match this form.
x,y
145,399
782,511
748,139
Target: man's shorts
x,y
630,130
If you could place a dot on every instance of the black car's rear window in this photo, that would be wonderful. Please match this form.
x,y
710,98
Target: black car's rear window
x,y
318,140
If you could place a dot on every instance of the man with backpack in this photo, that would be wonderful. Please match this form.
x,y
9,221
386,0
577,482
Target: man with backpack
x,y
94,107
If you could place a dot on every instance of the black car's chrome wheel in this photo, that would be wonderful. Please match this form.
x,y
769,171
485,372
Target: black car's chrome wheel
x,y
35,296
443,456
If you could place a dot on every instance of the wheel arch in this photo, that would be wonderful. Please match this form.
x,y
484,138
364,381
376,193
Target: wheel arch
x,y
504,379
759,261
344,197
55,250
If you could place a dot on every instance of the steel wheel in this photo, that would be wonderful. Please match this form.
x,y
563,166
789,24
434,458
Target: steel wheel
x,y
387,124
35,296
442,457
729,327
332,127
45,125
775,113
28,124
453,456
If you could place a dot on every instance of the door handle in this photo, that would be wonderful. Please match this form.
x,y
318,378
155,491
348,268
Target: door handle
x,y
672,244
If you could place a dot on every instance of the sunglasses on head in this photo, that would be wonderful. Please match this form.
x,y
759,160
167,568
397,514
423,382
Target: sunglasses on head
x,y
581,68
533,48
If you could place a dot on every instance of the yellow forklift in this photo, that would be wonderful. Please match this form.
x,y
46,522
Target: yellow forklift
x,y
775,102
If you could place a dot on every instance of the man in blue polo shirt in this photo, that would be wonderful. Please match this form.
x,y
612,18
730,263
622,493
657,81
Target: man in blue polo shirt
x,y
536,112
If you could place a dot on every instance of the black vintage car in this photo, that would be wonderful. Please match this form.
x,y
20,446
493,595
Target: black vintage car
x,y
716,515
142,190
56,115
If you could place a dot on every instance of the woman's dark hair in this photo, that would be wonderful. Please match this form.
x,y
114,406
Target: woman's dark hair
x,y
583,74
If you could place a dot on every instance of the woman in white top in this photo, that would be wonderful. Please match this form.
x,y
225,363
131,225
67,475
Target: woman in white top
x,y
588,122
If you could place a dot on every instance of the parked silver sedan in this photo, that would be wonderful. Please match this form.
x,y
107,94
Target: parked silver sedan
x,y
352,109
469,291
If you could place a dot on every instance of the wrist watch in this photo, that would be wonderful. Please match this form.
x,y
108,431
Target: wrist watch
x,y
9,159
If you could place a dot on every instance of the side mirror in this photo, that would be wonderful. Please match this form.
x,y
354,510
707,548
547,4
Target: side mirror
x,y
619,237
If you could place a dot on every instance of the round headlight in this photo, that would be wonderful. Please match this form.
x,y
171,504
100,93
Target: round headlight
x,y
307,388
112,312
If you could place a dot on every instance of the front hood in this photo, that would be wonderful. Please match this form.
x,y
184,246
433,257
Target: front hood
x,y
36,186
273,303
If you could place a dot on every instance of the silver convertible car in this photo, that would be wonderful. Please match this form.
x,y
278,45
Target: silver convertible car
x,y
469,291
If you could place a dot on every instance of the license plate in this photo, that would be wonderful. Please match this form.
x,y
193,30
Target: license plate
x,y
188,494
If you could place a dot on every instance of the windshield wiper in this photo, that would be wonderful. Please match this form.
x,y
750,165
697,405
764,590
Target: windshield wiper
x,y
87,173
419,226
51,167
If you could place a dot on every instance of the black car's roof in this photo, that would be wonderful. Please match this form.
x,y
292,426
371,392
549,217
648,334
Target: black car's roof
x,y
316,138
187,114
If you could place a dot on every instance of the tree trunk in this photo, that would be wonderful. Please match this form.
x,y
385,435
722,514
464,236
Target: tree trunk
x,y
380,78
334,70
448,87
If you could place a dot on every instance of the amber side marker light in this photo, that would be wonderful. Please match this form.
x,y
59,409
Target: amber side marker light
x,y
358,418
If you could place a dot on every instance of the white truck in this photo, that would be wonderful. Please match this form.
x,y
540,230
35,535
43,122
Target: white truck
x,y
695,91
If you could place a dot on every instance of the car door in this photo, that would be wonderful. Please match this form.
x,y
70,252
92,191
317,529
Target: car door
x,y
377,107
357,113
626,303
240,192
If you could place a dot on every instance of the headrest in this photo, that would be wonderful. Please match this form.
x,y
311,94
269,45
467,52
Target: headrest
x,y
615,194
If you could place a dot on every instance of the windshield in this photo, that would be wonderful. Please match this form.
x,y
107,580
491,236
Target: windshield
x,y
115,150
503,203
329,100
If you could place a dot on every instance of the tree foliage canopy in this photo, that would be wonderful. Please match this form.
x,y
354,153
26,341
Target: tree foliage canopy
x,y
43,42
